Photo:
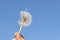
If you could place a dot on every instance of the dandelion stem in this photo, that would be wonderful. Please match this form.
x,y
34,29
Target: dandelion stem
x,y
20,29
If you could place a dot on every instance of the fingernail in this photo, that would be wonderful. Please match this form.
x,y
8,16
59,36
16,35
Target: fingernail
x,y
16,33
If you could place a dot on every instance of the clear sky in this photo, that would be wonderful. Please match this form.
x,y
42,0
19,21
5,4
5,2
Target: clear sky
x,y
45,24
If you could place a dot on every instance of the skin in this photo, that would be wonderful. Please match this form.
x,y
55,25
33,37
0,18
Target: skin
x,y
18,36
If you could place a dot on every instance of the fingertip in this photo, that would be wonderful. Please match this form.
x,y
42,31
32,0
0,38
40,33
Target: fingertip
x,y
19,36
16,33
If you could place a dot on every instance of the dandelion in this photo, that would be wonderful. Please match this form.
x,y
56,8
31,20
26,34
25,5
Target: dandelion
x,y
26,19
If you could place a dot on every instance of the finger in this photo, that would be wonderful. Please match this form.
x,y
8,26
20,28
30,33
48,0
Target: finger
x,y
18,36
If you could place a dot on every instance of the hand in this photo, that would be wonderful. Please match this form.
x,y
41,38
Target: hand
x,y
18,36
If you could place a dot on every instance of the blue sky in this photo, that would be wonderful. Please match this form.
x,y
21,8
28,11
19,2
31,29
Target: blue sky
x,y
45,24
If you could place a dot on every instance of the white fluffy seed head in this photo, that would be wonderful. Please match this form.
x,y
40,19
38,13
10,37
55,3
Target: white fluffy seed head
x,y
26,15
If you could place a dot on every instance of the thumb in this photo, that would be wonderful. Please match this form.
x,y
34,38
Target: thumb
x,y
18,36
